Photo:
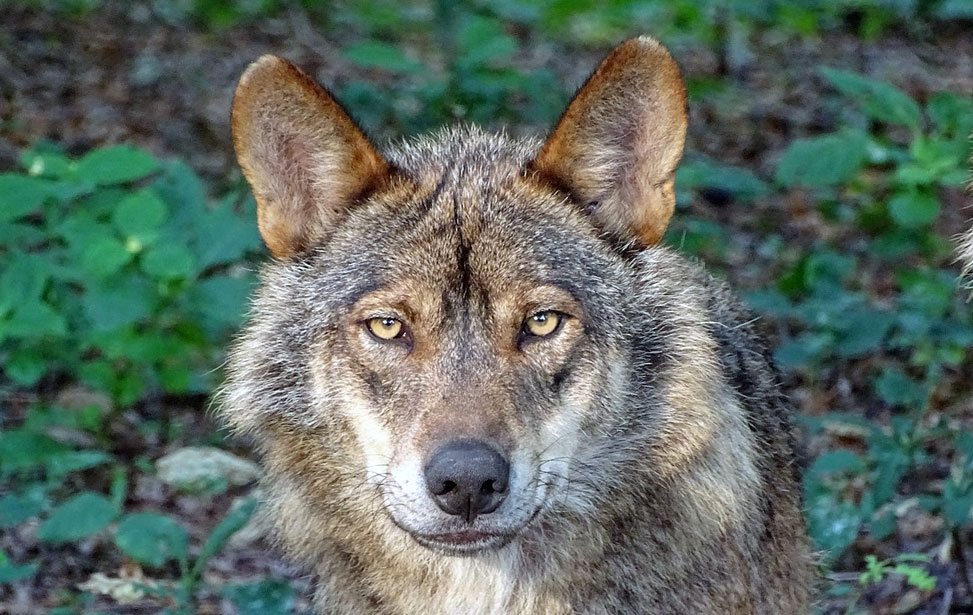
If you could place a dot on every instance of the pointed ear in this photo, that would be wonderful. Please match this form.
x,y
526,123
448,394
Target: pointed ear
x,y
304,157
617,146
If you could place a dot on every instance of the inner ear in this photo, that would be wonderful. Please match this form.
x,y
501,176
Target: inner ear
x,y
617,145
302,154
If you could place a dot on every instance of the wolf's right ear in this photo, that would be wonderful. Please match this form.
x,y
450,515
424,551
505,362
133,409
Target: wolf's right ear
x,y
304,157
618,143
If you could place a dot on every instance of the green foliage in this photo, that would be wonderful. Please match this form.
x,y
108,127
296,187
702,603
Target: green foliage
x,y
906,565
79,517
10,572
114,274
913,334
36,469
880,101
477,78
117,273
151,538
902,564
266,597
825,161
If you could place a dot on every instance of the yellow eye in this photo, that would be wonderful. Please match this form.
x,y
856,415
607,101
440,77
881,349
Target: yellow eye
x,y
542,324
385,328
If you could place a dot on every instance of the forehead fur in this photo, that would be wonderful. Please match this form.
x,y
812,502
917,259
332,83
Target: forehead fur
x,y
464,200
463,147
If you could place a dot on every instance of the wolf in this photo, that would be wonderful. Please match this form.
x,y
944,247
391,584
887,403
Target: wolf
x,y
964,250
480,385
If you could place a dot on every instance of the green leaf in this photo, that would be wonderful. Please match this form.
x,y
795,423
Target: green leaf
x,y
33,319
151,538
832,524
15,509
738,182
959,510
222,299
916,577
175,378
914,209
234,522
804,350
880,101
374,54
12,572
822,161
140,214
950,10
16,234
182,191
20,195
950,112
112,303
47,163
223,236
266,597
881,526
863,331
26,366
83,515
169,260
24,279
482,40
74,461
897,389
21,449
964,444
105,257
835,462
116,165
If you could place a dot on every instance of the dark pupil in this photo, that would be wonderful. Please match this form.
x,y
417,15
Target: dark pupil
x,y
540,318
388,323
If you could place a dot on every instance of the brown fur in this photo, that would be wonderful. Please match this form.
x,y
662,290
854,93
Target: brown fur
x,y
651,462
628,121
280,114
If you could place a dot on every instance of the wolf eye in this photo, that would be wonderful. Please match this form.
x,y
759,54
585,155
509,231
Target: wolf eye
x,y
542,324
385,328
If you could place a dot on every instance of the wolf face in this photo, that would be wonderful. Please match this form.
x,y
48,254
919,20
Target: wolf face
x,y
471,343
472,346
461,306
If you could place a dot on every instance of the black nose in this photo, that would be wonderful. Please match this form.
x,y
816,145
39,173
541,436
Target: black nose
x,y
467,478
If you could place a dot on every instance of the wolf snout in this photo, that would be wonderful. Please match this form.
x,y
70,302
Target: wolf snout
x,y
467,478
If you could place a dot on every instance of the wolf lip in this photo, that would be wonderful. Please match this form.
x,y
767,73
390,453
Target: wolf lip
x,y
462,542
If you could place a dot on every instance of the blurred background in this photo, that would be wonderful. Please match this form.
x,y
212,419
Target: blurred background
x,y
824,177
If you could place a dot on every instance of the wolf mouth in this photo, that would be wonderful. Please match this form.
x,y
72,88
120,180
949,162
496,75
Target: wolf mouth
x,y
463,542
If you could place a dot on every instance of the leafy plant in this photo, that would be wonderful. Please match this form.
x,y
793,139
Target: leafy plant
x,y
885,176
906,565
36,466
153,539
117,273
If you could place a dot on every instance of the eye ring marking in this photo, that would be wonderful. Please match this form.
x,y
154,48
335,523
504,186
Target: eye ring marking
x,y
543,324
385,328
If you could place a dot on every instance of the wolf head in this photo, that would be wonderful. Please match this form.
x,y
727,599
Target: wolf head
x,y
450,335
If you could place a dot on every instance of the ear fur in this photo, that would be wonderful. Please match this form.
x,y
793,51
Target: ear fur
x,y
618,143
302,154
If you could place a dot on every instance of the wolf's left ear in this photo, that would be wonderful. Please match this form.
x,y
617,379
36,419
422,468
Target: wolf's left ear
x,y
617,146
304,157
